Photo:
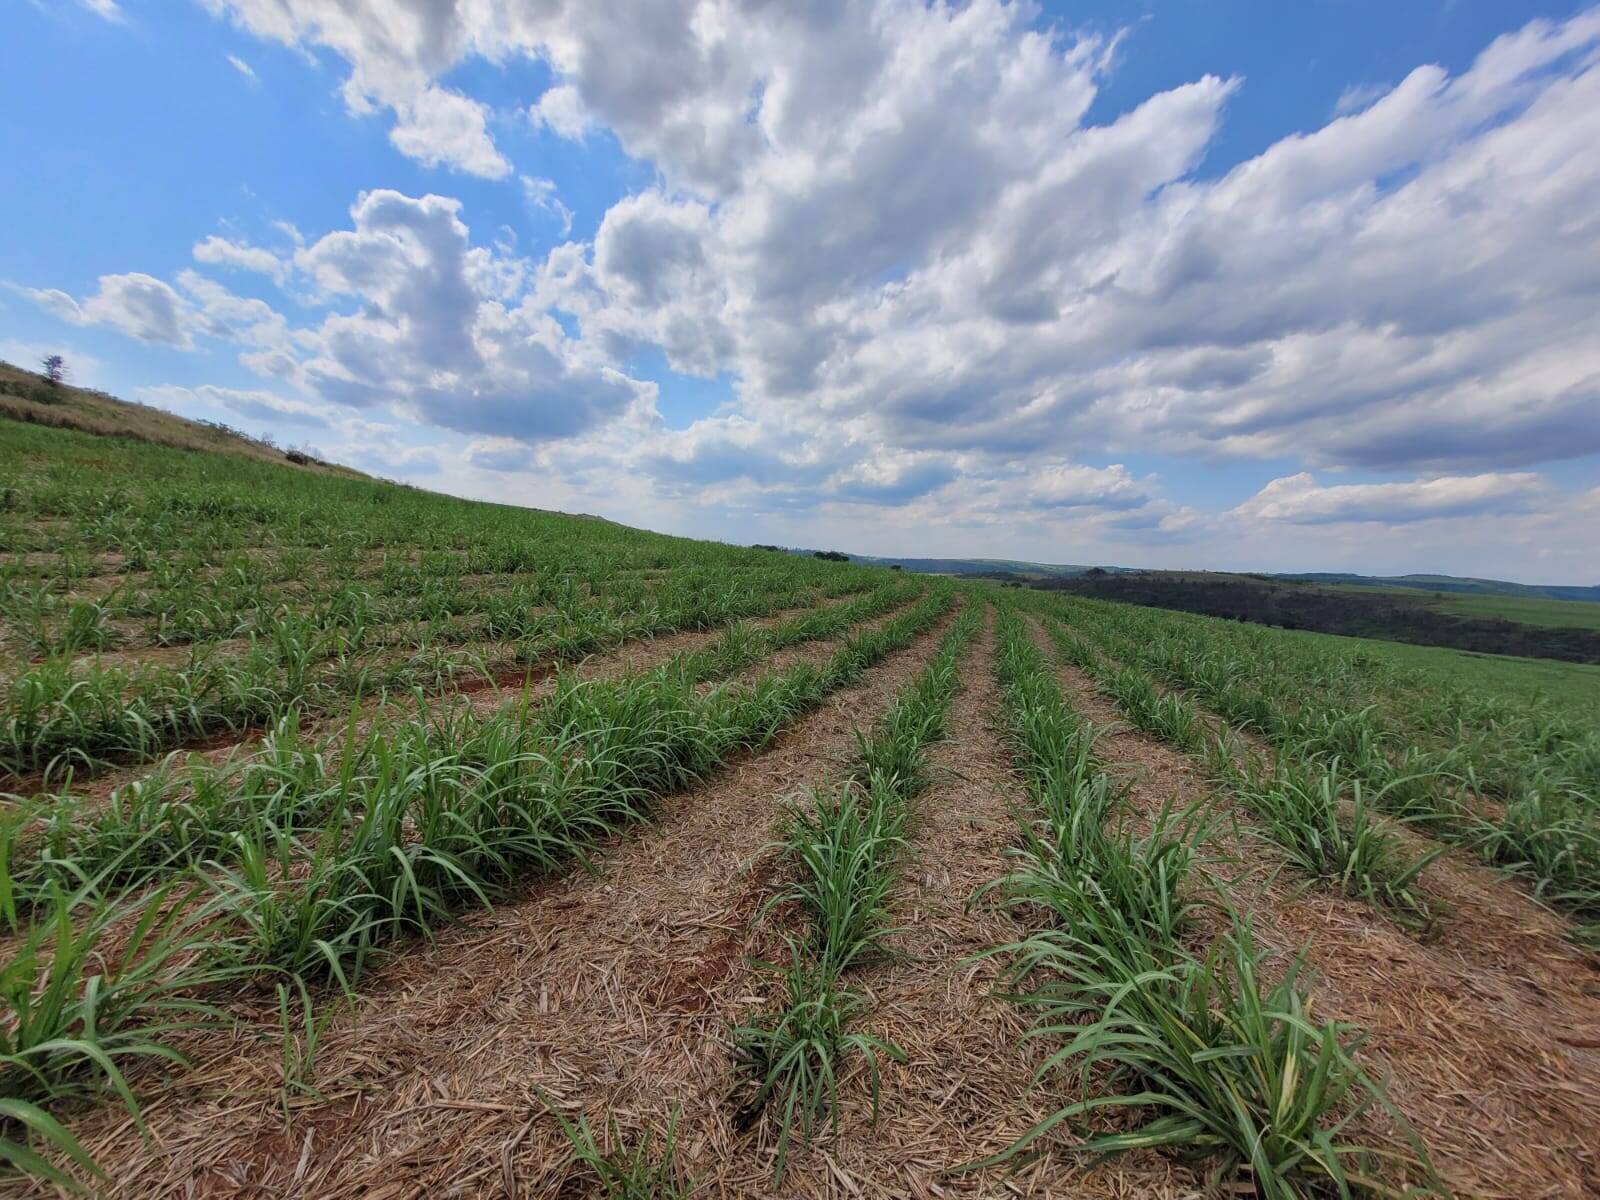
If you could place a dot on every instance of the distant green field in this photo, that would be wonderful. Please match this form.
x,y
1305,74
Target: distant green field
x,y
1573,686
1526,610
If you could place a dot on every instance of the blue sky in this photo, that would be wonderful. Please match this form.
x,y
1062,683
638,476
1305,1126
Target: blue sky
x,y
1282,286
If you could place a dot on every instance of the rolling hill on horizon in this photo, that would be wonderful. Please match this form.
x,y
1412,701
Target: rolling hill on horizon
x,y
1464,584
1453,583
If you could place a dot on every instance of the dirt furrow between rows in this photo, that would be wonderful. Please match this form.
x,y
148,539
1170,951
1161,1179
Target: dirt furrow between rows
x,y
1476,1064
596,988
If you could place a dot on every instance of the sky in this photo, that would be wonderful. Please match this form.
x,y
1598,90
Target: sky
x,y
1237,285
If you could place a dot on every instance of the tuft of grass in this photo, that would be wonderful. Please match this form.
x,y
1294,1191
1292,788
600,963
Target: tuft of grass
x,y
1110,885
300,1029
1299,806
90,990
844,844
799,1053
1210,1060
644,1169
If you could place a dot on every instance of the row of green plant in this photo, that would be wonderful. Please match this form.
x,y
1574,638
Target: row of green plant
x,y
447,814
189,809
60,715
1509,739
844,844
200,606
1325,821
1548,832
1191,1052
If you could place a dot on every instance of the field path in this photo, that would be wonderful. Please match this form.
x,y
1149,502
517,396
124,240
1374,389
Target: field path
x,y
1476,1059
597,989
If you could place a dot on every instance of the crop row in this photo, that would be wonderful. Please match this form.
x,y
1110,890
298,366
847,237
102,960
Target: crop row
x,y
844,844
186,607
1210,1058
1324,820
1508,744
59,715
185,812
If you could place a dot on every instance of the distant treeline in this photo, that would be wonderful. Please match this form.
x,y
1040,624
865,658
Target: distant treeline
x,y
1291,605
829,555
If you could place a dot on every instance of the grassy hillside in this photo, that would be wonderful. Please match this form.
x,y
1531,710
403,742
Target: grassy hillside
x,y
226,591
1573,688
26,396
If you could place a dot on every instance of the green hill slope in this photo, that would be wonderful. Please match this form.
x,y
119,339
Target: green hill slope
x,y
28,397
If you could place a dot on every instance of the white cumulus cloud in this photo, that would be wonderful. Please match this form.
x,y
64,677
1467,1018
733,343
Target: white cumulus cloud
x,y
1301,500
220,251
138,305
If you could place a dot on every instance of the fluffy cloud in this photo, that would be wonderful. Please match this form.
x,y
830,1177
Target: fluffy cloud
x,y
895,213
255,405
138,305
439,332
153,311
451,334
1294,305
561,111
219,251
1054,285
720,450
891,479
499,454
1065,485
396,50
444,128
1301,500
